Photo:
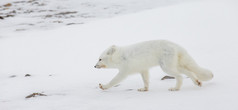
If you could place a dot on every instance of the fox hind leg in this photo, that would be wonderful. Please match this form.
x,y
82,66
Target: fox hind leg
x,y
169,64
191,75
171,69
179,82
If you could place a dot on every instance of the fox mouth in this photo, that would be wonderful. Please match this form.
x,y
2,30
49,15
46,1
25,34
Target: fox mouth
x,y
100,66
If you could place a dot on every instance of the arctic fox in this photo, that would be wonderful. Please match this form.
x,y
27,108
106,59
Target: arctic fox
x,y
140,57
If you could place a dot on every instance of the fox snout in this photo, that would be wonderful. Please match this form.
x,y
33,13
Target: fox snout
x,y
99,66
96,66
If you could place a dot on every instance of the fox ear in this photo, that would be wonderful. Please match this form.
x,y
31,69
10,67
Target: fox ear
x,y
111,50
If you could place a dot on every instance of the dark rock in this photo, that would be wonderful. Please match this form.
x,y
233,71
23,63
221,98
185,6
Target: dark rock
x,y
28,11
5,8
14,11
42,11
10,15
70,23
57,21
35,94
1,17
20,29
167,77
30,1
66,13
7,5
48,16
19,8
19,2
73,23
13,76
27,75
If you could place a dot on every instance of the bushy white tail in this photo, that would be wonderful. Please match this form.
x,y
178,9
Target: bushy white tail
x,y
202,74
188,63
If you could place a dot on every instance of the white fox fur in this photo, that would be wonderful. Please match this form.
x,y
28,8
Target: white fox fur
x,y
140,57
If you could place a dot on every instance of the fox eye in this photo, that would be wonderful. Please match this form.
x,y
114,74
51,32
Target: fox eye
x,y
100,59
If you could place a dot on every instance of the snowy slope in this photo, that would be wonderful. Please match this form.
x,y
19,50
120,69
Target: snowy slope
x,y
24,15
61,61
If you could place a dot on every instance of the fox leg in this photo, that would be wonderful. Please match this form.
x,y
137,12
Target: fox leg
x,y
117,79
192,76
179,82
145,77
169,64
174,72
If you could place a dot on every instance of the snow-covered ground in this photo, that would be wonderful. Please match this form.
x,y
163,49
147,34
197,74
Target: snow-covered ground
x,y
23,15
61,61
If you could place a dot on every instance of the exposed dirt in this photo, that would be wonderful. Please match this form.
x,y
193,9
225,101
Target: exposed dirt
x,y
34,95
167,77
38,12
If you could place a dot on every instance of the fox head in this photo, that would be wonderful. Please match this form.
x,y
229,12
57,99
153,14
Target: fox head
x,y
106,58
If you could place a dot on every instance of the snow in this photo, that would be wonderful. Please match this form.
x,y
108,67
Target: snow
x,y
48,14
61,61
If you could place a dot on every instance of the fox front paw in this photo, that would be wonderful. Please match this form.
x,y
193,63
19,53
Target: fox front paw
x,y
143,89
102,87
173,89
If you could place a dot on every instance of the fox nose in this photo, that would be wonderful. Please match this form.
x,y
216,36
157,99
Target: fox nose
x,y
94,66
